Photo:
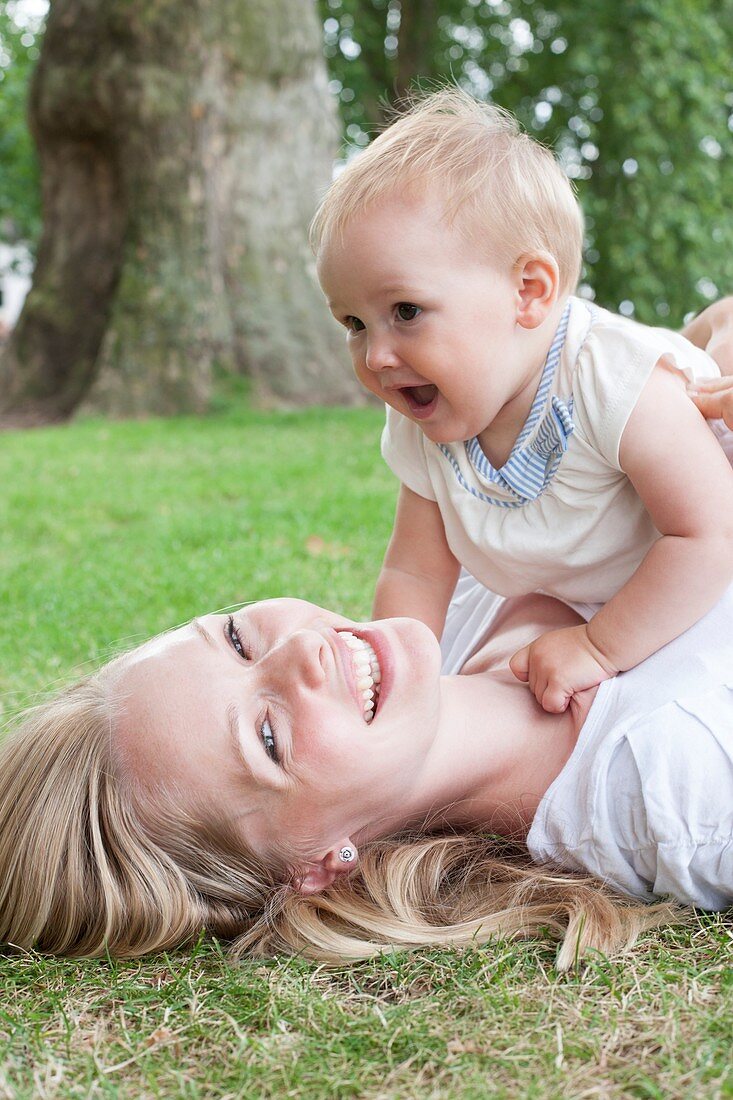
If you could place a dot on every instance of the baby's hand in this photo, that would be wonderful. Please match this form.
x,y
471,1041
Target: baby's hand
x,y
560,663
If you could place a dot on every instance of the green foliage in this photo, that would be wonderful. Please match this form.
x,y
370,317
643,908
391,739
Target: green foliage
x,y
20,205
635,96
643,125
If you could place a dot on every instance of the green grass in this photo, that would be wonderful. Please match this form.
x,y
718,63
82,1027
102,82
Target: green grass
x,y
113,531
116,531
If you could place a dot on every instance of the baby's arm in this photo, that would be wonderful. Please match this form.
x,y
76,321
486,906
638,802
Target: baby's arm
x,y
682,476
686,484
419,571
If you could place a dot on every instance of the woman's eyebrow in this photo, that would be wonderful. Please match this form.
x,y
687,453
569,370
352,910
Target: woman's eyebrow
x,y
203,632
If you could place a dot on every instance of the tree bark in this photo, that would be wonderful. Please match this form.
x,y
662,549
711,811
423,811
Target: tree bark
x,y
183,149
50,358
417,34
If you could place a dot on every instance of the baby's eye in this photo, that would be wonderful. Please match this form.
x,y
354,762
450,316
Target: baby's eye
x,y
234,638
406,311
353,324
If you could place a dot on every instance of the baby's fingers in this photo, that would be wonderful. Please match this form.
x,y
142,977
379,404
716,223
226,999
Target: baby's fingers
x,y
519,664
554,700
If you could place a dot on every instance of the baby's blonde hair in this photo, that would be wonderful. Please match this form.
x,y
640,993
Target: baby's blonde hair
x,y
494,180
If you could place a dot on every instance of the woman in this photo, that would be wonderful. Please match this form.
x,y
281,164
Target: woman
x,y
233,775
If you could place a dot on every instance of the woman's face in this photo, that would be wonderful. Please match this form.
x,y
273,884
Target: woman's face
x,y
260,718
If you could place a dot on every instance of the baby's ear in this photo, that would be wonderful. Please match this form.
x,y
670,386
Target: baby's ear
x,y
538,277
319,875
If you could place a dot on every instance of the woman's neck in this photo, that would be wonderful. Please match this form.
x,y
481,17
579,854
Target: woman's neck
x,y
494,755
501,750
496,751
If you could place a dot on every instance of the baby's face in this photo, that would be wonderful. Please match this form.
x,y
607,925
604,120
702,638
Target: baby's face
x,y
430,317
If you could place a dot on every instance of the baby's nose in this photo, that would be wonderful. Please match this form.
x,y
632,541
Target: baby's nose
x,y
380,355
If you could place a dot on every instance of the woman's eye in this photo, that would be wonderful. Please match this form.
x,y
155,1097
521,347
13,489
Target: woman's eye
x,y
353,324
234,638
268,739
406,311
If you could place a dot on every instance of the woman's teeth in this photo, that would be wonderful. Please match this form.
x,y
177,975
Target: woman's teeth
x,y
366,670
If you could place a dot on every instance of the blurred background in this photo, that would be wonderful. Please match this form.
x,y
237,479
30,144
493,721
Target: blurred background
x,y
160,162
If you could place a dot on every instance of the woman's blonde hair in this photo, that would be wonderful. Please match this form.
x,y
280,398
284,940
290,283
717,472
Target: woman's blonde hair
x,y
500,185
86,868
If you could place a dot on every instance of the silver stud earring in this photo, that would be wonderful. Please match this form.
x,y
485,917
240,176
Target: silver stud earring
x,y
346,855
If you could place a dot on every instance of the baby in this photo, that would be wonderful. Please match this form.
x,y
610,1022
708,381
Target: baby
x,y
536,436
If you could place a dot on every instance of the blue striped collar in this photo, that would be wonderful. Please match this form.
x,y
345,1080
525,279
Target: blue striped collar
x,y
541,443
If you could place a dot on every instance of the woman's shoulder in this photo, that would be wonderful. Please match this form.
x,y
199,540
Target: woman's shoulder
x,y
644,800
683,675
694,666
698,661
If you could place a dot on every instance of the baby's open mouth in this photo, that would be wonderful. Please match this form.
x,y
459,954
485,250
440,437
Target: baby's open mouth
x,y
420,395
367,672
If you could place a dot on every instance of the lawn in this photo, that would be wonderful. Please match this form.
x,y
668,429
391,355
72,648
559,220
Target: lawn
x,y
111,532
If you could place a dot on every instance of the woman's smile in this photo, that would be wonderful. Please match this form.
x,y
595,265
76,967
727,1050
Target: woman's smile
x,y
362,670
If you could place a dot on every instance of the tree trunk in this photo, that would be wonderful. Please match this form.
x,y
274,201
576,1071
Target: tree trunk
x,y
183,149
50,358
417,34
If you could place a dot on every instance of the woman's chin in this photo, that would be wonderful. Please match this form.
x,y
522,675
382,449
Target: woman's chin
x,y
421,640
410,661
415,639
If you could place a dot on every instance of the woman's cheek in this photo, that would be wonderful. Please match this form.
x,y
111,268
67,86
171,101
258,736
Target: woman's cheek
x,y
316,746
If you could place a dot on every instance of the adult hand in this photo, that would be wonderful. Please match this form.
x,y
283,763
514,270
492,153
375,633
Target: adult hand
x,y
714,398
712,330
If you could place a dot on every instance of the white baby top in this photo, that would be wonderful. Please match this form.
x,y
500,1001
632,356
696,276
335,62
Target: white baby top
x,y
560,517
645,801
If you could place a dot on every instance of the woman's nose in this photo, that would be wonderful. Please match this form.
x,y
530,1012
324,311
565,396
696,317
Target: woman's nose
x,y
299,659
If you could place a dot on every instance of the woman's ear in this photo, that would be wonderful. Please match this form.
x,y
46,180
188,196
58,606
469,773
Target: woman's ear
x,y
538,280
321,874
